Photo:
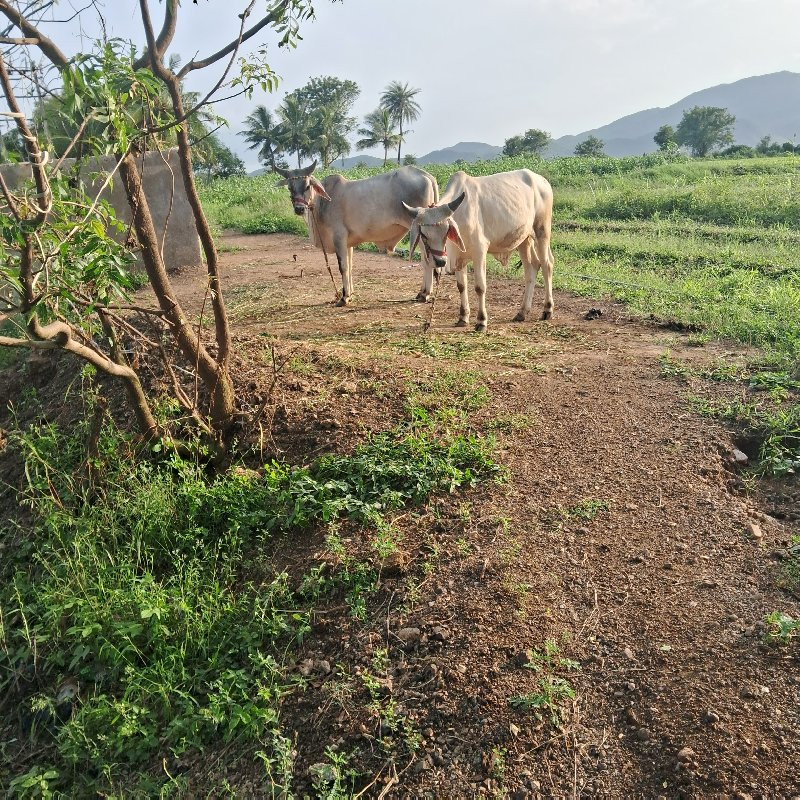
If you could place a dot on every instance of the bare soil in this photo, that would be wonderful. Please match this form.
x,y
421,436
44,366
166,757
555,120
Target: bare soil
x,y
622,534
660,598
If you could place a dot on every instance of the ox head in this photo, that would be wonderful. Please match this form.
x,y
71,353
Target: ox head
x,y
434,226
302,186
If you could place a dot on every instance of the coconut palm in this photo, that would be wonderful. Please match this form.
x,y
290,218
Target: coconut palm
x,y
295,122
263,132
329,133
398,100
379,129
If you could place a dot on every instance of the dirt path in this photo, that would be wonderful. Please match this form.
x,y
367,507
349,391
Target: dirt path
x,y
620,536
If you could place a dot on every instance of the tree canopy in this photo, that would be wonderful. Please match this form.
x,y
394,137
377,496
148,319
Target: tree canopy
x,y
666,138
379,129
705,128
398,100
533,141
592,146
312,121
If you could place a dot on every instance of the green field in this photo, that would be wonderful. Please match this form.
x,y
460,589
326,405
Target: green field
x,y
709,244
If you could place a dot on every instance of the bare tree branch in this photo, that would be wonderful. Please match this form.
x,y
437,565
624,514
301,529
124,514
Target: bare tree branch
x,y
162,42
45,44
273,16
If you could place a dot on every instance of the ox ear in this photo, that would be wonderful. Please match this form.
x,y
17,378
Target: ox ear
x,y
454,235
319,189
283,182
413,213
454,204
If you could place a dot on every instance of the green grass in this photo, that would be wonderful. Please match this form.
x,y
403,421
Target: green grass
x,y
151,591
707,245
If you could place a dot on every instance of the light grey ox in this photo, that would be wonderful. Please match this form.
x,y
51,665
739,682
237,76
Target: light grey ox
x,y
492,214
341,213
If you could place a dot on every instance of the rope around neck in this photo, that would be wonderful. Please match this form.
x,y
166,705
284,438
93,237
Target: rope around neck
x,y
426,326
317,233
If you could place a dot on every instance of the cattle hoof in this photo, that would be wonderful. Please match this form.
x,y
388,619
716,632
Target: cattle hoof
x,y
480,327
343,301
520,317
422,297
462,323
546,315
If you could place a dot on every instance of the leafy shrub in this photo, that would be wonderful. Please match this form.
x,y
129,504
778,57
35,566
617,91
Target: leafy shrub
x,y
150,591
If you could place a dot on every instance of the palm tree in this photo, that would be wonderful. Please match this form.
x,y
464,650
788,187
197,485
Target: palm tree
x,y
398,100
295,122
329,133
263,131
379,130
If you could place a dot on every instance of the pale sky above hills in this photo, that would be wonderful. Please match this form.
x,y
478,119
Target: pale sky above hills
x,y
489,70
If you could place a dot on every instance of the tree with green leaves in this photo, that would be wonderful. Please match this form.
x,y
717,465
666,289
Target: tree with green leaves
x,y
58,251
379,130
666,138
214,159
533,142
295,125
705,128
591,146
398,100
328,134
12,148
328,102
264,133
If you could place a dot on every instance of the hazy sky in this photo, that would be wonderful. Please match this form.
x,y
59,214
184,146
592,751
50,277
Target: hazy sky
x,y
489,70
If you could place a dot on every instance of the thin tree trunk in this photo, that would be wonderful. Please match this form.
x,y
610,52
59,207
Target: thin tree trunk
x,y
400,140
222,328
215,376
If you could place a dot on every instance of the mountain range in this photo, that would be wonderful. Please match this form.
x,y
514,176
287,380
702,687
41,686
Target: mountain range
x,y
764,105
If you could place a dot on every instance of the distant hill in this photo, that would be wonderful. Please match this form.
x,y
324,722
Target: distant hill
x,y
466,151
463,151
765,105
359,158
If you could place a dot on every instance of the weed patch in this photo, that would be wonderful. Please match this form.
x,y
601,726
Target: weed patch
x,y
552,690
148,594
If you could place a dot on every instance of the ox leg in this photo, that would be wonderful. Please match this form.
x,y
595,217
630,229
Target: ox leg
x,y
528,256
343,258
350,251
461,282
480,291
545,257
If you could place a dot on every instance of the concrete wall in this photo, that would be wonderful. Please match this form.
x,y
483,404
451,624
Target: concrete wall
x,y
162,183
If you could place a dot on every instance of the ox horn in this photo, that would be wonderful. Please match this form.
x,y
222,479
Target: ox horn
x,y
454,204
412,212
284,173
304,173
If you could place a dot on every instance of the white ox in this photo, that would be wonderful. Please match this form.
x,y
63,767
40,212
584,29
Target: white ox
x,y
493,214
342,214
